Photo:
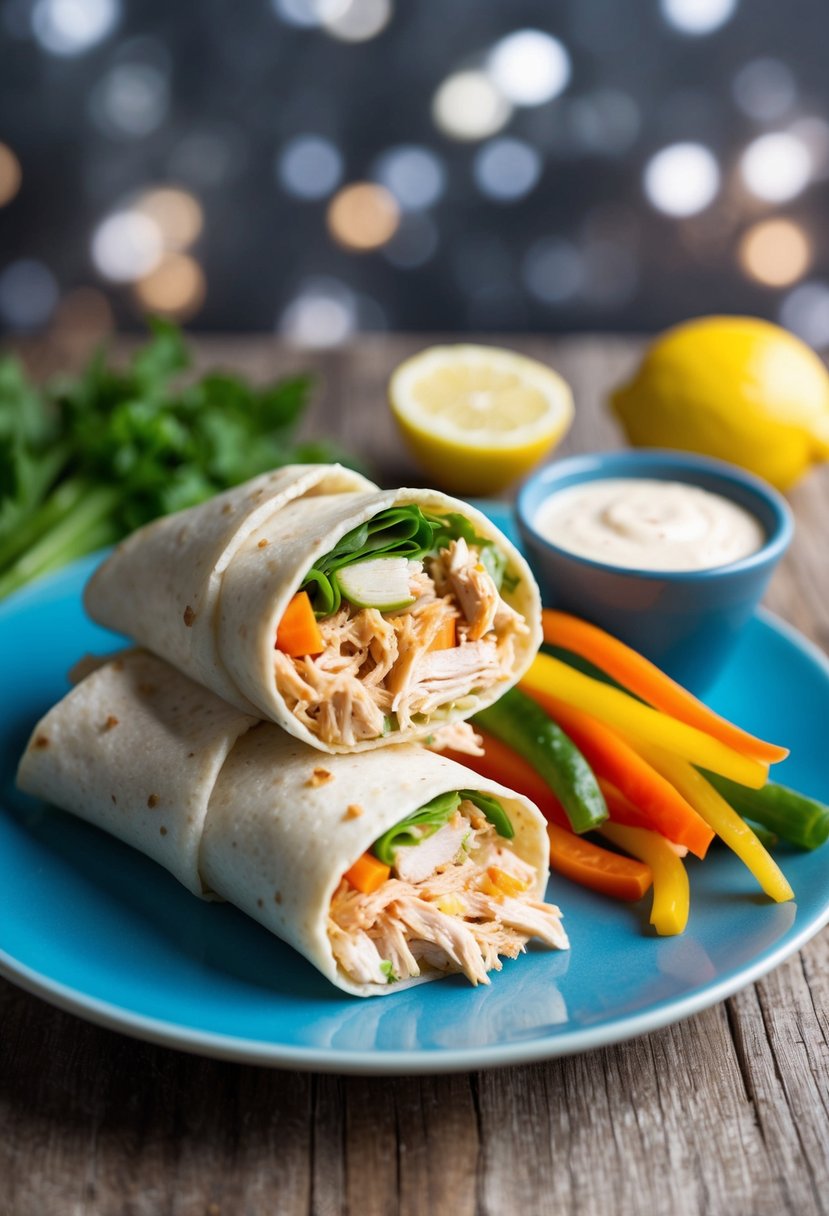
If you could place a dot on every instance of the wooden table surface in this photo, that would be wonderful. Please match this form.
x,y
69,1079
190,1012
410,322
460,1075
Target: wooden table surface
x,y
725,1112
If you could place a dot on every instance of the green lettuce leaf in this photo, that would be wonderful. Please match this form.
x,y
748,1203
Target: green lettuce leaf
x,y
423,823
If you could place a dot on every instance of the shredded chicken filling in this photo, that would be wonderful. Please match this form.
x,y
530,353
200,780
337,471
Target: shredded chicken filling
x,y
472,907
381,669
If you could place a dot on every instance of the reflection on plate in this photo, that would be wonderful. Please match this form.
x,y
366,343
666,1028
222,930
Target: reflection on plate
x,y
94,927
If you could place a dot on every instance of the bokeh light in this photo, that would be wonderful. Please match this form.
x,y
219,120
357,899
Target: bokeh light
x,y
682,179
131,99
11,174
776,167
697,17
415,175
28,294
323,313
468,106
529,67
775,252
126,246
309,166
70,27
553,270
765,89
175,288
805,311
176,213
363,216
359,20
506,169
309,13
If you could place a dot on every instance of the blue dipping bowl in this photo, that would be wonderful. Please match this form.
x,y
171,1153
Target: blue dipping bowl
x,y
686,621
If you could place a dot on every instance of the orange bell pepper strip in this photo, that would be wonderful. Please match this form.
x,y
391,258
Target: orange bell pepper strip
x,y
500,763
663,808
298,632
644,678
592,866
671,891
367,874
445,637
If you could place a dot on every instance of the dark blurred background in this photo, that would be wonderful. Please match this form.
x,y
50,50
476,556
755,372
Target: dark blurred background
x,y
321,167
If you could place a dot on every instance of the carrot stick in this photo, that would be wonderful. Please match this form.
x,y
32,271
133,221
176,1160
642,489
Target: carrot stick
x,y
298,632
501,763
367,874
664,809
445,637
595,867
644,678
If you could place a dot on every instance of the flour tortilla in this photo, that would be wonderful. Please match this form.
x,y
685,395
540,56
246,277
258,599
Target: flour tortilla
x,y
236,809
206,588
162,584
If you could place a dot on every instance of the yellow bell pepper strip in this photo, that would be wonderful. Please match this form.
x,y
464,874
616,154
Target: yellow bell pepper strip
x,y
640,722
729,826
671,892
645,680
591,866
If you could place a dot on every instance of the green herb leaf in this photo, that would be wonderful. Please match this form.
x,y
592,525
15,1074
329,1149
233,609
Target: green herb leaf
x,y
416,827
493,810
388,971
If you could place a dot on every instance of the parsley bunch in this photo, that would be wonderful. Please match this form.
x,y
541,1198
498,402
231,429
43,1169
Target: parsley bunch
x,y
85,460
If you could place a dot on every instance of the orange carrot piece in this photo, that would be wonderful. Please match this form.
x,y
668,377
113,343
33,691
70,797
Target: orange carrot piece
x,y
643,678
502,764
597,868
298,632
367,874
614,759
445,637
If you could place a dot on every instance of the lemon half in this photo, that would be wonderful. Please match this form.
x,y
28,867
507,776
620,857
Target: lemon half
x,y
478,417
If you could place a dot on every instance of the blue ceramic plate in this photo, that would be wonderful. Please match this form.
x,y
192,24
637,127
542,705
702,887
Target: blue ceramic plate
x,y
92,926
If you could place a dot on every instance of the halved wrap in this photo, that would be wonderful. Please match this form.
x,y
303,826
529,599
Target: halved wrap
x,y
242,811
418,611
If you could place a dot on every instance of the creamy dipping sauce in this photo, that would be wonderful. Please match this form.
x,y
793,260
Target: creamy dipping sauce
x,y
649,525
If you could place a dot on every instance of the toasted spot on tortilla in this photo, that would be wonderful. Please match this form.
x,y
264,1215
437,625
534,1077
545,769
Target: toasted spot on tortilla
x,y
111,722
189,616
152,801
353,811
277,897
42,741
320,776
114,799
162,831
227,508
264,542
146,689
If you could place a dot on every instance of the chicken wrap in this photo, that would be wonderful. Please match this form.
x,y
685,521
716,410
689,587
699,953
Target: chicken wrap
x,y
382,869
352,617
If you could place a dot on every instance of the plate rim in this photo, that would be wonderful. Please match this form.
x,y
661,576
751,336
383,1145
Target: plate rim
x,y
431,1061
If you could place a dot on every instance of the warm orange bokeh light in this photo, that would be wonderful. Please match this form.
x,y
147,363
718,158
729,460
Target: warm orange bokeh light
x,y
363,216
775,252
178,215
10,174
176,287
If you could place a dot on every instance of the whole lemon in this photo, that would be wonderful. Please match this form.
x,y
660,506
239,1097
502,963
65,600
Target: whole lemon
x,y
738,388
